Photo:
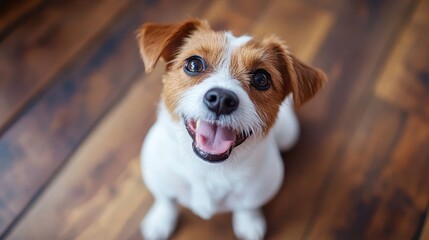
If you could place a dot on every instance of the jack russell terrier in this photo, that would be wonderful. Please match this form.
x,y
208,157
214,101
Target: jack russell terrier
x,y
226,111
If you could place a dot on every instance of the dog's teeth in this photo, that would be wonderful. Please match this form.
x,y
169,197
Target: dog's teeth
x,y
197,125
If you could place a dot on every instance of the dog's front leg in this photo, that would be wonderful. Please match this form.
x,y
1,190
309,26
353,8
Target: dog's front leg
x,y
161,219
249,224
201,202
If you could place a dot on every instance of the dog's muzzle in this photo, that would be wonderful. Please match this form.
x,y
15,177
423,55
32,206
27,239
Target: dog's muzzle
x,y
212,140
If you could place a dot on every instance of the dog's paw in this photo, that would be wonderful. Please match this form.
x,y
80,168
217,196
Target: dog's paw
x,y
160,221
249,224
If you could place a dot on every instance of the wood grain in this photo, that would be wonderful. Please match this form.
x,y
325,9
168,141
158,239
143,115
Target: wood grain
x,y
352,56
405,79
349,56
42,139
379,190
360,199
14,12
359,170
425,230
109,187
33,54
235,16
302,26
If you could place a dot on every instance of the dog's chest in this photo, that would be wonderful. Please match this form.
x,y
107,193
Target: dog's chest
x,y
218,188
211,194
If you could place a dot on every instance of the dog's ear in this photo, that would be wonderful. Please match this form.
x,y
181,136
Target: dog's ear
x,y
305,81
164,40
299,78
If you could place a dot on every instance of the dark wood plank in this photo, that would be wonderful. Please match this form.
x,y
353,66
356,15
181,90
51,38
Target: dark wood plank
x,y
353,55
425,230
301,25
12,13
42,139
105,200
108,189
235,16
350,53
72,106
405,79
39,49
380,188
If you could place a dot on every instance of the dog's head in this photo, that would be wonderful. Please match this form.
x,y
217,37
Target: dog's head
x,y
224,88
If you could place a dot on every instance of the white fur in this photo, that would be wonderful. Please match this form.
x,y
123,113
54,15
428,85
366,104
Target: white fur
x,y
244,182
286,129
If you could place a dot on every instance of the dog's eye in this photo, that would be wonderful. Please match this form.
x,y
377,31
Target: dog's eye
x,y
261,80
194,65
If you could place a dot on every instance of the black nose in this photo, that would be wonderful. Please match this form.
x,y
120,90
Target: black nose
x,y
221,101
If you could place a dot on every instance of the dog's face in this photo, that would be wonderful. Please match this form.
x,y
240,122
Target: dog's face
x,y
224,88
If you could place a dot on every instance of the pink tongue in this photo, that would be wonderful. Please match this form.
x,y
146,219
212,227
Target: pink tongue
x,y
214,139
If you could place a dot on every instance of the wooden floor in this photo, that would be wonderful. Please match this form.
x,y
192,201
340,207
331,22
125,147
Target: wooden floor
x,y
75,106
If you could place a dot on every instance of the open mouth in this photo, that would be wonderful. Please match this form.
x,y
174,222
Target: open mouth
x,y
212,142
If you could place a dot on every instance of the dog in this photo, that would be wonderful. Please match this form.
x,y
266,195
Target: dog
x,y
226,111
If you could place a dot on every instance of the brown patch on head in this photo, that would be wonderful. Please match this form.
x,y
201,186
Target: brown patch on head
x,y
287,73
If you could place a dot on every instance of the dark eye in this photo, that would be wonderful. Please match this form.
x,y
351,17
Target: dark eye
x,y
261,80
194,65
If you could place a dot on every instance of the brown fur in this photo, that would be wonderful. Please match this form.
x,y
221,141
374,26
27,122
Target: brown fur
x,y
163,40
246,60
302,80
177,42
206,44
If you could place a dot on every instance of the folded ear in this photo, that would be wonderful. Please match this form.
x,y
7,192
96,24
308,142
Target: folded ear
x,y
305,81
302,80
164,40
